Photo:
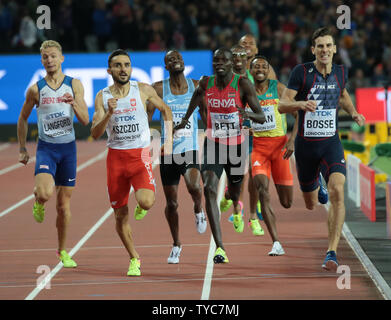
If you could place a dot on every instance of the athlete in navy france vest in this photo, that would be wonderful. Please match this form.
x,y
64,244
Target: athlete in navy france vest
x,y
326,91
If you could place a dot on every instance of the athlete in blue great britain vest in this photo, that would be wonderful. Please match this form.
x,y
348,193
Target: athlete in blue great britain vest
x,y
176,92
58,99
316,90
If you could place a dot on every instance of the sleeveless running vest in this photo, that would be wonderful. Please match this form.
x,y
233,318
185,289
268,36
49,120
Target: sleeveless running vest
x,y
185,139
224,123
55,118
128,127
275,125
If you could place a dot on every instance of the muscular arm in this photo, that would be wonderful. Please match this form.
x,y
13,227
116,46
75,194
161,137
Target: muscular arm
x,y
346,103
79,105
149,94
22,127
158,86
196,100
249,96
288,104
100,118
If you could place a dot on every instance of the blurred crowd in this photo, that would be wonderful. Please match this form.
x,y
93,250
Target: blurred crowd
x,y
283,29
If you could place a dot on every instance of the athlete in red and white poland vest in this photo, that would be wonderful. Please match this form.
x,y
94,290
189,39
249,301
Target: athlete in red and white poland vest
x,y
128,128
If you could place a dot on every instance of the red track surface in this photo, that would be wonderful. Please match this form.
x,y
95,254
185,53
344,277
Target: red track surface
x,y
103,262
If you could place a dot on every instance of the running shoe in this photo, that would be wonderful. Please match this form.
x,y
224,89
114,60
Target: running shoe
x,y
238,223
139,213
259,213
220,256
200,222
66,259
330,263
175,253
256,227
323,195
38,211
277,249
225,204
231,217
134,267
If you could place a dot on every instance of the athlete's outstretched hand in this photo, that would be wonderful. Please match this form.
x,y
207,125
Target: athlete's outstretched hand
x,y
359,118
180,125
68,98
309,105
289,147
242,112
112,105
23,156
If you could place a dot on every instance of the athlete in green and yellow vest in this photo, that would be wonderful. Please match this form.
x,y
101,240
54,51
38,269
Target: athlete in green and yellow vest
x,y
275,125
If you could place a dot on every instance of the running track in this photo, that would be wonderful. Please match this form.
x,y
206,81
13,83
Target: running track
x,y
102,261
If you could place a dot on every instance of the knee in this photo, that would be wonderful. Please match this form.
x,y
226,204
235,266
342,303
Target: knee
x,y
210,191
147,202
336,193
194,189
263,193
286,203
43,194
172,205
121,214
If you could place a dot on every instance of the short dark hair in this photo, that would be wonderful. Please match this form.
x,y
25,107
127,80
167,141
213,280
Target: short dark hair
x,y
321,32
118,52
258,56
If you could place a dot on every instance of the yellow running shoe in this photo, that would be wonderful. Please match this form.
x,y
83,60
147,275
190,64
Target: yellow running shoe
x,y
256,227
134,267
238,223
220,256
38,211
66,259
225,204
139,213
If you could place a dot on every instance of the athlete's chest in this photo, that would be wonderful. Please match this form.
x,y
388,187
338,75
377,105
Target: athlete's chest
x,y
325,91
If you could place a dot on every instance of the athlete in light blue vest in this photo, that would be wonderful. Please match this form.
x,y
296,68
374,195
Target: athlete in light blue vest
x,y
58,99
176,91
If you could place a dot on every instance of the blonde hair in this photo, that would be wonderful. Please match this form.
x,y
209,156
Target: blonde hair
x,y
49,44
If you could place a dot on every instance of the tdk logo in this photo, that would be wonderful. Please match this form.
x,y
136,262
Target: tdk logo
x,y
55,115
322,113
224,116
124,118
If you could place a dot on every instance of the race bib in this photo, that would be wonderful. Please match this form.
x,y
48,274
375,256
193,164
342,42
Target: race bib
x,y
321,123
185,132
57,124
225,125
270,122
126,128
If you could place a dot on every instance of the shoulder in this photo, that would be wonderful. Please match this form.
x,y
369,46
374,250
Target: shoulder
x,y
33,92
203,82
195,82
158,86
77,85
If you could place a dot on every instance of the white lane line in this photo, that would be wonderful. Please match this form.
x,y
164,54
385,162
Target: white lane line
x,y
373,273
4,146
15,166
31,196
76,248
212,247
370,268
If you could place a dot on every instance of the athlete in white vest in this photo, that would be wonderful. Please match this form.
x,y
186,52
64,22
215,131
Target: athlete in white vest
x,y
121,110
58,99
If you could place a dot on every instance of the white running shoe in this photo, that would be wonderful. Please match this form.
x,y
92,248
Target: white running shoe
x,y
201,222
277,249
174,255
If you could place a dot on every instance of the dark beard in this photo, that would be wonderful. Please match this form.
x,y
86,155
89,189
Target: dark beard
x,y
117,80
